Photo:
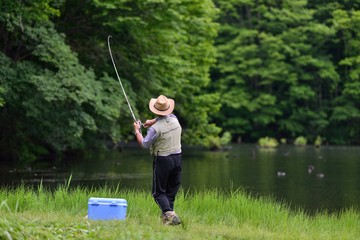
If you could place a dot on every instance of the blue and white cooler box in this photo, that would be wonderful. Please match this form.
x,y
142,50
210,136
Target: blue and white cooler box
x,y
107,208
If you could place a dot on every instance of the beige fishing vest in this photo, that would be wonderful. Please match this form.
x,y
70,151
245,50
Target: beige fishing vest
x,y
168,130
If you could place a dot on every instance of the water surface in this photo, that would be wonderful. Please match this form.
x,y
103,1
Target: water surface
x,y
282,173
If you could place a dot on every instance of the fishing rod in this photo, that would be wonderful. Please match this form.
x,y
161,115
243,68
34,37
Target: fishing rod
x,y
117,74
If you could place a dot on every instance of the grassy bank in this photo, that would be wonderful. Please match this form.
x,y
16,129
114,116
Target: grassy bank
x,y
208,214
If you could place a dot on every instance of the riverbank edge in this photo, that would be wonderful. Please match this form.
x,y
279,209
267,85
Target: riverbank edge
x,y
207,214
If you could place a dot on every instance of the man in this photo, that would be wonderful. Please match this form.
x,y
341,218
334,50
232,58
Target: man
x,y
163,138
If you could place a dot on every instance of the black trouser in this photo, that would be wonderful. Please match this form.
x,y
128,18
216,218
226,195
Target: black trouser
x,y
166,180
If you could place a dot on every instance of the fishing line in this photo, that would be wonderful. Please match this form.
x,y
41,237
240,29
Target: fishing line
x,y
117,74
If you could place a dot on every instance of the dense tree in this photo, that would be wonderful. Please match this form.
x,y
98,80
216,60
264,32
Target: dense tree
x,y
53,104
278,72
283,69
160,47
345,118
58,83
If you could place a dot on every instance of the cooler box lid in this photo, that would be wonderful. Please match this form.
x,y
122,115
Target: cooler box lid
x,y
107,201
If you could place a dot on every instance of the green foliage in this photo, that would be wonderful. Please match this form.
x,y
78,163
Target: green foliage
x,y
16,14
2,101
60,88
346,115
300,141
267,142
53,103
216,143
170,52
225,138
199,108
278,72
62,104
252,69
318,141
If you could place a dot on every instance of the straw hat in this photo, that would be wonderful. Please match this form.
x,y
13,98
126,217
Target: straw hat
x,y
162,105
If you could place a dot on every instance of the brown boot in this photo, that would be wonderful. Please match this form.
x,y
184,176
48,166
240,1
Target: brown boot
x,y
170,218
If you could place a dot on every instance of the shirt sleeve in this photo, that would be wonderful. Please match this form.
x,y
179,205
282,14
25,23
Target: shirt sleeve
x,y
151,136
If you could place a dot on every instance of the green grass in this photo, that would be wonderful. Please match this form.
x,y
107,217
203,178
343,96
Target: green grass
x,y
208,214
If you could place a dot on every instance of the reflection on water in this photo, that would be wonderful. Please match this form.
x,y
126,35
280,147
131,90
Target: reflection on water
x,y
312,178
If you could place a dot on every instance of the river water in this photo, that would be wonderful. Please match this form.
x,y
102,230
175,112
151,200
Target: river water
x,y
314,179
